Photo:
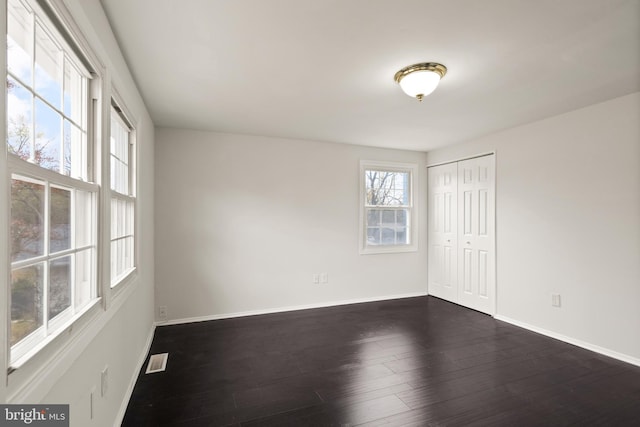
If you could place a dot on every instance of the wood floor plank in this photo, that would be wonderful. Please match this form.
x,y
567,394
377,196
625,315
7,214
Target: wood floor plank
x,y
407,362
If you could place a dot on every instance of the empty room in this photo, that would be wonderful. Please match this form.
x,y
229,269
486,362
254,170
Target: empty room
x,y
320,213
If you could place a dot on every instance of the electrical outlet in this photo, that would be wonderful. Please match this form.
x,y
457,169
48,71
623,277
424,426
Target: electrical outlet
x,y
162,312
316,278
555,300
324,277
104,381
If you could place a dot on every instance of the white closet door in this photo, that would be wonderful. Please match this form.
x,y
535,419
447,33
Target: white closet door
x,y
442,234
476,234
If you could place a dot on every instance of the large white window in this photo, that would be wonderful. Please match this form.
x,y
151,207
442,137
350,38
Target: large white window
x,y
387,210
53,222
123,200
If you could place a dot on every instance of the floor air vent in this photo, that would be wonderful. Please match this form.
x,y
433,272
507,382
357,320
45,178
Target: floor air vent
x,y
157,363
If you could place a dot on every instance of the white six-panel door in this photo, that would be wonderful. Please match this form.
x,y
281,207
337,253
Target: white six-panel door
x,y
462,255
443,237
476,207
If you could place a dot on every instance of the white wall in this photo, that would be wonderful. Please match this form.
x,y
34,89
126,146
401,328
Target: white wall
x,y
568,222
116,337
243,223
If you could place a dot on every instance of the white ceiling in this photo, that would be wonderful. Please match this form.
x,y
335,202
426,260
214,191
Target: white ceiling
x,y
323,69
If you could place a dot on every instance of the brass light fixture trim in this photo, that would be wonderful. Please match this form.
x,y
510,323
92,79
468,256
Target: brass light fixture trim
x,y
434,67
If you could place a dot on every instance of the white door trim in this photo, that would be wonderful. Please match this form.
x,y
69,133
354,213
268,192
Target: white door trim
x,y
475,156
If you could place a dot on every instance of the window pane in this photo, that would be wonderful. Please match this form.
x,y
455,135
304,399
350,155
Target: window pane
x,y
401,236
48,131
122,257
388,236
19,41
84,218
131,207
75,152
26,301
119,176
389,217
59,286
373,217
122,244
373,236
119,155
60,227
401,216
128,253
83,278
74,94
114,218
122,217
115,253
387,188
48,68
27,219
19,116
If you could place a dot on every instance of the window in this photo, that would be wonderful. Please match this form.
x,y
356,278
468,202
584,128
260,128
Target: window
x,y
122,197
53,221
387,207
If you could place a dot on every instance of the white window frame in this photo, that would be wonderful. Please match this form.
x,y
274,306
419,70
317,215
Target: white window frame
x,y
412,222
122,116
40,338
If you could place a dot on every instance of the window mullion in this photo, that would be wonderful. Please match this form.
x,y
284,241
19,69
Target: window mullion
x,y
120,196
61,60
72,283
61,167
131,170
32,155
16,265
32,86
46,275
30,170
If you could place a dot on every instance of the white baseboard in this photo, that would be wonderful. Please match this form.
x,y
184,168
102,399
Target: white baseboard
x,y
134,378
285,309
574,341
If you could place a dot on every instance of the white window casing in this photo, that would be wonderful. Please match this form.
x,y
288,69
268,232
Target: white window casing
x,y
53,256
388,213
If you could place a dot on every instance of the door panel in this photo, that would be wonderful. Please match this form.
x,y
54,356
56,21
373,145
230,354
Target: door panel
x,y
442,234
476,192
467,268
483,263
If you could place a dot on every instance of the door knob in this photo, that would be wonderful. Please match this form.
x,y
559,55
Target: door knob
x,y
468,243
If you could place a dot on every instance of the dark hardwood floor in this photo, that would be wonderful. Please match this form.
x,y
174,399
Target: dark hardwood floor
x,y
415,361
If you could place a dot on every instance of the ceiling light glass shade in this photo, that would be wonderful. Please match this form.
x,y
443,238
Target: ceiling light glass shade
x,y
419,80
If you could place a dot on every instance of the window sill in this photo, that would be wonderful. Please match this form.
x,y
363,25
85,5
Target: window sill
x,y
67,329
390,249
124,279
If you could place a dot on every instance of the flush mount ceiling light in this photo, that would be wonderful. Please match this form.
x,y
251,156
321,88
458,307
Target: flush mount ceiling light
x,y
419,80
